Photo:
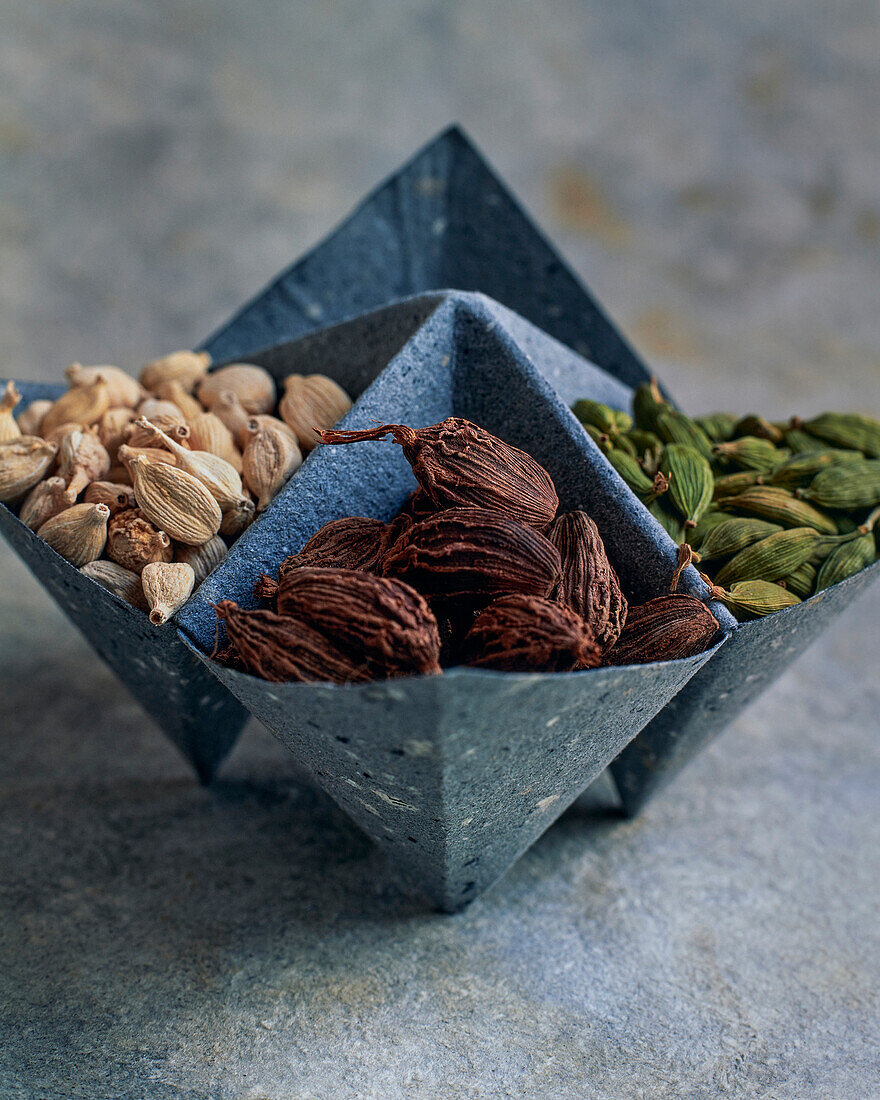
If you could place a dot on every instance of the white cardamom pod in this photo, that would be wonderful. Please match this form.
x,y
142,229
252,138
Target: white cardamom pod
x,y
30,420
23,462
122,389
185,367
236,519
126,454
78,533
152,407
121,582
203,559
264,421
219,478
82,405
312,401
46,499
111,428
269,460
9,427
174,392
116,496
167,587
138,436
253,386
209,433
234,415
81,459
175,501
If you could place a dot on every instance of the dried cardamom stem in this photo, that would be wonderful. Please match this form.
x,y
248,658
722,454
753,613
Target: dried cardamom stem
x,y
138,436
471,552
351,543
530,634
589,585
117,497
253,386
666,628
167,587
78,533
269,461
46,499
23,462
185,367
122,389
204,559
383,624
9,428
312,401
461,465
121,582
133,542
175,501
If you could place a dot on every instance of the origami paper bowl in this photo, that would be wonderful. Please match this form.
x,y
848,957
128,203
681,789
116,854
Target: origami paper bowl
x,y
453,775
445,219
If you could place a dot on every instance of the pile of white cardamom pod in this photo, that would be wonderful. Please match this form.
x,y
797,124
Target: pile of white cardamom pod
x,y
142,484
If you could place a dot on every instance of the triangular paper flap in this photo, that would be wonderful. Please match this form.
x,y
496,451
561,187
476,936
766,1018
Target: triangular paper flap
x,y
455,776
444,219
756,654
198,715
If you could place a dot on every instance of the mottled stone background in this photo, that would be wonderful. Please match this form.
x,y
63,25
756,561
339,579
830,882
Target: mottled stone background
x,y
712,170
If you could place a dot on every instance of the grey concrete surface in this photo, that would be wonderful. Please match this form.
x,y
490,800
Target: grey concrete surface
x,y
712,170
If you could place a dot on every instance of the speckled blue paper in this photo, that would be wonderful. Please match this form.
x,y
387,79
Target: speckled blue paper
x,y
755,655
199,715
444,219
456,775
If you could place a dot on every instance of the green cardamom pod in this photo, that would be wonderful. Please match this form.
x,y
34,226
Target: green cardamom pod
x,y
648,447
799,442
751,453
648,403
717,426
846,560
730,485
758,427
732,535
846,487
802,581
753,599
774,557
779,506
859,433
800,469
690,481
667,519
601,416
674,427
630,471
712,518
601,439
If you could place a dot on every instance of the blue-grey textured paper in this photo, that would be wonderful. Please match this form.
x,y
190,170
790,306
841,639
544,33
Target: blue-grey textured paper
x,y
200,717
454,775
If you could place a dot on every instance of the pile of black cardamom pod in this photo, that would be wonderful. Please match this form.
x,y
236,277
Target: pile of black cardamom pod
x,y
773,512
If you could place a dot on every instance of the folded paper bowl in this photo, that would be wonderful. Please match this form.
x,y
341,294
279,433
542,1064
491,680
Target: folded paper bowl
x,y
194,710
446,219
453,775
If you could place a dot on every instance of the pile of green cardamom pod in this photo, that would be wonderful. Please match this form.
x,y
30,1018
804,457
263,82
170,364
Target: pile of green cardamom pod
x,y
771,512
